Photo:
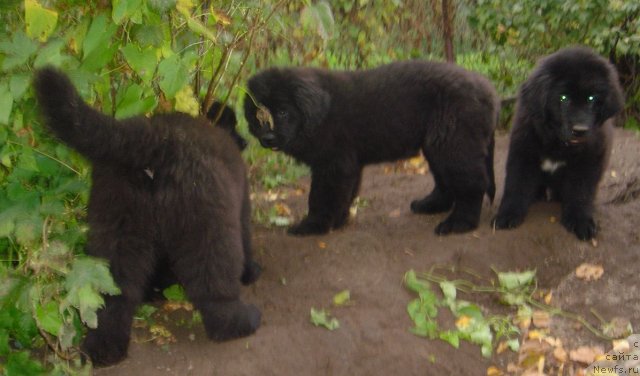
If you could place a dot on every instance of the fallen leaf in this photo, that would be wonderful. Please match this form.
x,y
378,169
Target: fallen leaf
x,y
541,319
494,371
536,334
322,245
589,272
282,209
560,354
618,327
323,318
552,219
548,297
342,298
585,354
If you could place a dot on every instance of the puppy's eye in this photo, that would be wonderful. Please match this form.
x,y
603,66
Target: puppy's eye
x,y
282,114
591,98
564,98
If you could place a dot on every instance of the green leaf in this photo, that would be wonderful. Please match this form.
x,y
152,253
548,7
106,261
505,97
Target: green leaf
x,y
145,312
143,62
51,54
448,290
175,293
89,302
322,318
18,84
513,280
173,75
4,342
99,35
92,272
97,47
342,298
452,337
413,283
127,9
49,318
20,364
513,344
6,103
131,104
18,50
40,21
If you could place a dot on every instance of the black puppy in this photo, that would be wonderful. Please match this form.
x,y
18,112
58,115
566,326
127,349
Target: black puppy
x,y
169,190
338,122
561,138
227,121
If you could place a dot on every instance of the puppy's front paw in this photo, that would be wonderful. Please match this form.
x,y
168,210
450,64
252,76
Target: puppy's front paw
x,y
584,227
309,227
105,350
451,225
508,219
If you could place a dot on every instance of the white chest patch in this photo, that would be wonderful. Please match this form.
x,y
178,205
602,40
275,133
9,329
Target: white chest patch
x,y
551,166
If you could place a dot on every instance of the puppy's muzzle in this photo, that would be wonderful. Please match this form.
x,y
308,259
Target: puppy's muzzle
x,y
579,133
269,140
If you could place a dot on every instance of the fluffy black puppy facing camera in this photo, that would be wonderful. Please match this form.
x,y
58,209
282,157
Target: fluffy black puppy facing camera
x,y
227,121
561,138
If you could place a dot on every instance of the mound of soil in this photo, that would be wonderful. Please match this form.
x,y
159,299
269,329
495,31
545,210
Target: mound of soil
x,y
369,258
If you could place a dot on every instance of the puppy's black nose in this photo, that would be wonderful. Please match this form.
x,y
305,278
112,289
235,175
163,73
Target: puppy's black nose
x,y
579,130
268,140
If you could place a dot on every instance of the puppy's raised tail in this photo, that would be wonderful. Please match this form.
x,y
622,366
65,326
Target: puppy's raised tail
x,y
491,188
96,136
73,121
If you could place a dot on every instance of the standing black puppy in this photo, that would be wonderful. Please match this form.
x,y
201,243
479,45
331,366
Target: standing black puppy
x,y
169,190
561,138
338,122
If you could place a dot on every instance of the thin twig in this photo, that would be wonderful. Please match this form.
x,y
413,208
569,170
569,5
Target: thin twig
x,y
46,155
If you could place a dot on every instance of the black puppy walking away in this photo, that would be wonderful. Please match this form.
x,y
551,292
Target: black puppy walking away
x,y
166,190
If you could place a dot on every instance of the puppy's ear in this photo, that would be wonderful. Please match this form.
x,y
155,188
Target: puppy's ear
x,y
614,101
312,100
535,95
227,118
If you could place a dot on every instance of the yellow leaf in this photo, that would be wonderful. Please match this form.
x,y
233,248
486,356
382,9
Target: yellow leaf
x,y
548,297
186,101
322,245
494,371
589,272
185,6
463,322
40,21
537,334
585,354
541,319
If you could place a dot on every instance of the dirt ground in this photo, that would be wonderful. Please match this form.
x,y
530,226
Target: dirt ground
x,y
369,258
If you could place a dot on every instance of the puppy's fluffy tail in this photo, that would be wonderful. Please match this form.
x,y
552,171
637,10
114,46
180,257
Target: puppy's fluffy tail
x,y
96,136
491,188
68,116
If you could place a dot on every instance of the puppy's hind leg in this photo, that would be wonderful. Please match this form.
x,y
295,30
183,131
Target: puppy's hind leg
x,y
439,200
210,266
466,181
